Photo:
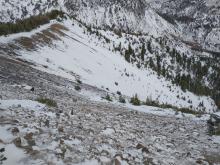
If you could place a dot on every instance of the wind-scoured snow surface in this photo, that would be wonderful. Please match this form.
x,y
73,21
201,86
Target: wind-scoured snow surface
x,y
76,54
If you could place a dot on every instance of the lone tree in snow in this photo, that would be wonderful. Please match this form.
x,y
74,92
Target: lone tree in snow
x,y
135,100
143,51
2,157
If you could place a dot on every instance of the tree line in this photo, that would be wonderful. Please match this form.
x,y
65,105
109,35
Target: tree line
x,y
30,23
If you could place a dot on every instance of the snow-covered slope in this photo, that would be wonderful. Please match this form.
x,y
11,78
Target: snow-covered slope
x,y
141,22
77,55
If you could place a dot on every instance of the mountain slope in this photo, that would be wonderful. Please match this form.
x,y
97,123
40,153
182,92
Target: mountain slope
x,y
109,82
195,21
80,131
141,31
128,16
73,53
199,20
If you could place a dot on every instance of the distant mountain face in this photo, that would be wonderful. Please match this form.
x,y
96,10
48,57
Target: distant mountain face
x,y
11,10
129,16
196,21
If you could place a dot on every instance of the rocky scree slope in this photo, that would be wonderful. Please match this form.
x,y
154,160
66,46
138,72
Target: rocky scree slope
x,y
80,131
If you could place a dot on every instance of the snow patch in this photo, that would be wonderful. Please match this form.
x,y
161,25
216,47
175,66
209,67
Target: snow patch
x,y
13,155
28,104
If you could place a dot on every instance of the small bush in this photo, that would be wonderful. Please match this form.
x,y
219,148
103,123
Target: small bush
x,y
150,102
217,133
54,14
135,100
78,88
79,81
121,99
48,102
108,97
118,93
188,111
